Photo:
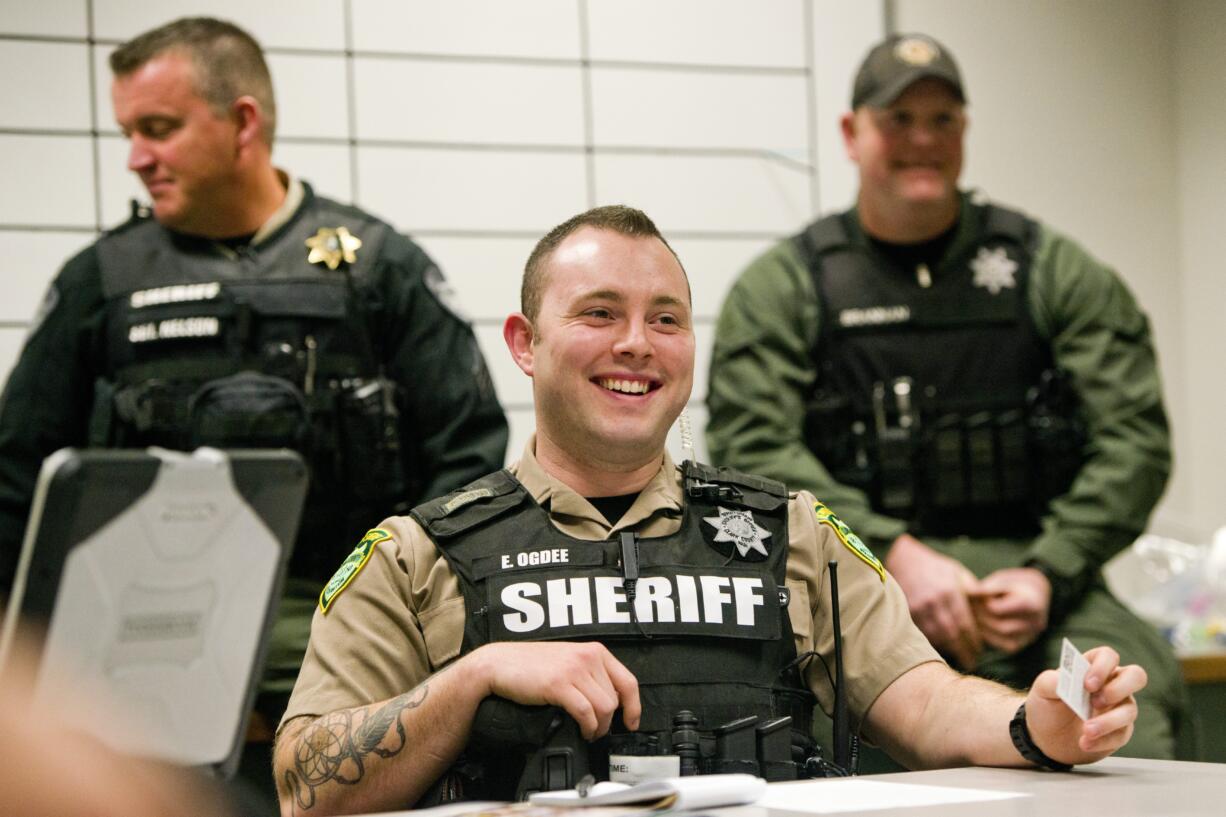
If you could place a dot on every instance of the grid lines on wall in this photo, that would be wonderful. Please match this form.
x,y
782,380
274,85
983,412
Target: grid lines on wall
x,y
473,125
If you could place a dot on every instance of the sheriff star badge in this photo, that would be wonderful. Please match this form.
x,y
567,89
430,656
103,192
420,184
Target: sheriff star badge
x,y
332,246
994,270
740,528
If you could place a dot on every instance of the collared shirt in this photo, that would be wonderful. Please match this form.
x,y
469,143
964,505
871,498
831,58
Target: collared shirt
x,y
294,195
402,616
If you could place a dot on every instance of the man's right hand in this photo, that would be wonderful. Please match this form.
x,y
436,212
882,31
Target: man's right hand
x,y
936,587
582,678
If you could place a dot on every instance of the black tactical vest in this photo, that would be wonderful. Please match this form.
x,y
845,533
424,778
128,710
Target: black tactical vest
x,y
251,350
704,627
935,393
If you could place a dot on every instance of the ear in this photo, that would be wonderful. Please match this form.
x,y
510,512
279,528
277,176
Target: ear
x,y
249,117
847,124
518,333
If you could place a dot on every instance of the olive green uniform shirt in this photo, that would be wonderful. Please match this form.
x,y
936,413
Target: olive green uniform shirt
x,y
401,618
762,373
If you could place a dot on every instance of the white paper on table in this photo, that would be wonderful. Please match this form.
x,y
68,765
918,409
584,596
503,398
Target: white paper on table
x,y
835,796
674,793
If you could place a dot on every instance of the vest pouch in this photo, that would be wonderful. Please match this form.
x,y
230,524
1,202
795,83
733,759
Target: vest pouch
x,y
370,442
102,414
840,438
513,750
249,410
562,761
977,478
151,412
896,451
1012,456
944,483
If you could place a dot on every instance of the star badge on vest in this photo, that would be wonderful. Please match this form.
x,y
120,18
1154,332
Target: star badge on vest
x,y
852,542
350,568
332,246
738,528
994,270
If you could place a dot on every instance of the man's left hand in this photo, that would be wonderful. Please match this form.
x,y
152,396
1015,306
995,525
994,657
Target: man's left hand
x,y
1062,735
1011,607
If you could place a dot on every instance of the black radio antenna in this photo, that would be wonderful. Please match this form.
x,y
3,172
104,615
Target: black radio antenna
x,y
842,736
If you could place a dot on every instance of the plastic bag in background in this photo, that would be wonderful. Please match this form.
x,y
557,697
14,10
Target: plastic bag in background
x,y
1179,587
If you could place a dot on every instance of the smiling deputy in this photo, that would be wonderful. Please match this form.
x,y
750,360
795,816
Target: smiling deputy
x,y
688,611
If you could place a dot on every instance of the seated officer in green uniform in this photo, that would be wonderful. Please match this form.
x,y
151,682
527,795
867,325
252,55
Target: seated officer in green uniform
x,y
244,311
972,391
598,577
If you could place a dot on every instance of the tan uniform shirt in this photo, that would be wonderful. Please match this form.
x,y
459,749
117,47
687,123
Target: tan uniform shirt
x,y
402,617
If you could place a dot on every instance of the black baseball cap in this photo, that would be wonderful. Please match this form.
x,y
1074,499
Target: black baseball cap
x,y
894,64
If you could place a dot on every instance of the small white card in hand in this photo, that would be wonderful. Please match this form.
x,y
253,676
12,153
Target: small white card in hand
x,y
1071,685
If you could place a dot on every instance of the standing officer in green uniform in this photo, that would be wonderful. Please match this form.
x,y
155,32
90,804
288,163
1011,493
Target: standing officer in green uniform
x,y
971,390
243,310
596,576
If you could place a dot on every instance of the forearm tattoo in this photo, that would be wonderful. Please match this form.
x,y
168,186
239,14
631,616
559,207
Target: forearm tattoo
x,y
336,747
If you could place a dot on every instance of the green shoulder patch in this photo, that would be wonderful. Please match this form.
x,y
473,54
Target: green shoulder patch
x,y
848,538
352,565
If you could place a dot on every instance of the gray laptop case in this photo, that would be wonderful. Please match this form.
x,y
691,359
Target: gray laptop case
x,y
156,575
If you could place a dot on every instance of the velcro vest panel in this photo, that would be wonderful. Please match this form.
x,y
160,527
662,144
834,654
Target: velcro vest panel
x,y
191,330
710,631
878,323
179,310
968,346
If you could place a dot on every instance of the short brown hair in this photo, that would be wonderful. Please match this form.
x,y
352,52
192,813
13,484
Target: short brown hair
x,y
617,218
229,62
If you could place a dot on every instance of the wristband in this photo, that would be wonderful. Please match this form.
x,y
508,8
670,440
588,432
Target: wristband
x,y
1026,746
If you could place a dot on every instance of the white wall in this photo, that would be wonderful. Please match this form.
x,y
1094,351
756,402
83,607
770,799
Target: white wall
x,y
1200,125
1102,117
474,125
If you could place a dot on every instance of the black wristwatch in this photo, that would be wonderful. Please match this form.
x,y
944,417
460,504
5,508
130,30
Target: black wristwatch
x,y
1026,746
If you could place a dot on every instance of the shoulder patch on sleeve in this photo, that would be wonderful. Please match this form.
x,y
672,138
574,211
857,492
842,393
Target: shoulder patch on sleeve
x,y
445,293
50,301
848,538
350,568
